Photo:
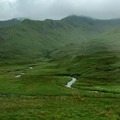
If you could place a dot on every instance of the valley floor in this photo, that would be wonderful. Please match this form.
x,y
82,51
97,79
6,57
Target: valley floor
x,y
40,94
72,107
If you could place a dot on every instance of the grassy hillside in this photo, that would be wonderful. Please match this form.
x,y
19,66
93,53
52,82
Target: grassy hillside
x,y
36,39
96,58
37,59
8,23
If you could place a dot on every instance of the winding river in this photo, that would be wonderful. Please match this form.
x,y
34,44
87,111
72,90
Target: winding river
x,y
69,84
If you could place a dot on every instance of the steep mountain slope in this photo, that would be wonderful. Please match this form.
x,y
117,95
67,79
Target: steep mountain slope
x,y
11,22
95,59
30,39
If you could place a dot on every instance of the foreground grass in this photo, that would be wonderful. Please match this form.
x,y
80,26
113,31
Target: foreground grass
x,y
60,107
40,94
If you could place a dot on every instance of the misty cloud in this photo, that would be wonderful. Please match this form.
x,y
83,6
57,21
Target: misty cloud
x,y
57,9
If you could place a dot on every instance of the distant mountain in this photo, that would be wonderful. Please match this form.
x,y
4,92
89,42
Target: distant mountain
x,y
8,23
41,39
96,24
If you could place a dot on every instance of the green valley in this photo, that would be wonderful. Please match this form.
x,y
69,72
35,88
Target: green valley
x,y
38,58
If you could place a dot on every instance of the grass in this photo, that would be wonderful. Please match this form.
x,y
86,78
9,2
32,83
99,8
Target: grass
x,y
57,50
60,107
34,82
41,94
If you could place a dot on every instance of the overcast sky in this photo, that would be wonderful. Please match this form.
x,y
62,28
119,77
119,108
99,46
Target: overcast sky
x,y
57,9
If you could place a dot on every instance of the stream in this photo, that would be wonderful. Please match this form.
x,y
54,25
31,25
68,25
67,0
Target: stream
x,y
69,84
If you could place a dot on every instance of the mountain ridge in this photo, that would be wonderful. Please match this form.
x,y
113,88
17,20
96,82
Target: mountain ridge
x,y
30,39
